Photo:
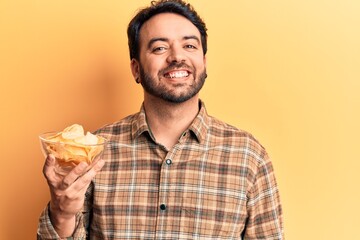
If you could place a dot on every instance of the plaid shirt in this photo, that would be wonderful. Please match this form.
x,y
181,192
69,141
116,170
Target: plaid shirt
x,y
216,183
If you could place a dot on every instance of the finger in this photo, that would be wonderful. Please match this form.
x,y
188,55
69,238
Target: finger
x,y
49,165
99,165
73,175
83,182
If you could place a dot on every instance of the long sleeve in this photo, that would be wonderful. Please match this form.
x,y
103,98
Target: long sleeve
x,y
263,207
46,230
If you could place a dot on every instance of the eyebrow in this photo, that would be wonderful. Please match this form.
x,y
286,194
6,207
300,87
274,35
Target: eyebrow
x,y
192,37
161,39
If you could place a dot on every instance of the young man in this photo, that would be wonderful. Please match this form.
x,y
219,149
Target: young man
x,y
172,171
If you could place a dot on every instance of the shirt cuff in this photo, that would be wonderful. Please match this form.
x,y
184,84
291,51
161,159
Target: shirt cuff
x,y
46,230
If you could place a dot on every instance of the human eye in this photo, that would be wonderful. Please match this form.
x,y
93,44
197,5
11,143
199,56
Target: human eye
x,y
159,49
190,46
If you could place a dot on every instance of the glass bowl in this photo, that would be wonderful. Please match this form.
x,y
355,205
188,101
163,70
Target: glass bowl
x,y
69,154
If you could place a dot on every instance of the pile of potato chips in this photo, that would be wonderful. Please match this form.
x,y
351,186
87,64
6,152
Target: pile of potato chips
x,y
72,146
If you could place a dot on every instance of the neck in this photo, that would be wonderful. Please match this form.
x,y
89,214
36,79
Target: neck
x,y
168,121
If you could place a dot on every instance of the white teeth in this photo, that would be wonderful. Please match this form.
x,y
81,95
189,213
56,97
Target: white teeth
x,y
178,74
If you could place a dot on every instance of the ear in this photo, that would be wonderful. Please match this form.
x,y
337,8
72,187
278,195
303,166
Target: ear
x,y
135,69
205,61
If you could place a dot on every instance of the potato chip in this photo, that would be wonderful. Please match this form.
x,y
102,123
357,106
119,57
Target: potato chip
x,y
88,139
71,146
72,132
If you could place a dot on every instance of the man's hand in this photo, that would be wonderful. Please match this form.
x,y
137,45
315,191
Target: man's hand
x,y
68,193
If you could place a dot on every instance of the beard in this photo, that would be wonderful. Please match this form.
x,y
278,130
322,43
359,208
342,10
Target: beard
x,y
169,94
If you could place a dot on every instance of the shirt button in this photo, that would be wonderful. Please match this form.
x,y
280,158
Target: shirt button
x,y
162,207
168,161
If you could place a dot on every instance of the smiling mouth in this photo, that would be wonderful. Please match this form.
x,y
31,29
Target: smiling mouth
x,y
177,74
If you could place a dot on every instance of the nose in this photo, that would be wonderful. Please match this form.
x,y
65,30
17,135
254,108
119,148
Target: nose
x,y
176,54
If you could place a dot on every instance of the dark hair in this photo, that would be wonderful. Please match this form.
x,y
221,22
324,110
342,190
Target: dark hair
x,y
163,6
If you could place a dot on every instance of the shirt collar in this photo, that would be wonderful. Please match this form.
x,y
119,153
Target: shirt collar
x,y
139,124
199,126
201,123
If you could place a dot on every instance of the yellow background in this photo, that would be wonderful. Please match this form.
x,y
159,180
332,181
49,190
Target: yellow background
x,y
287,71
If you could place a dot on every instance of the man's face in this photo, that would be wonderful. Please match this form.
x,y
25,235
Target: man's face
x,y
172,63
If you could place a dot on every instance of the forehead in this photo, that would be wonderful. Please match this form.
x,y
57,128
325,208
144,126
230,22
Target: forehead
x,y
167,25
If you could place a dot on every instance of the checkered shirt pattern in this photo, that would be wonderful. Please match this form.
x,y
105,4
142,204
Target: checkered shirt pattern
x,y
217,182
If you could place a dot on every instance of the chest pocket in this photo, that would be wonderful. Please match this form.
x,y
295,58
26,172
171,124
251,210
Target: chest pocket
x,y
211,216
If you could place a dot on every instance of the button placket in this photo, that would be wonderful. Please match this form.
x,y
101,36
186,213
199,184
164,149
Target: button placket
x,y
168,201
164,191
165,183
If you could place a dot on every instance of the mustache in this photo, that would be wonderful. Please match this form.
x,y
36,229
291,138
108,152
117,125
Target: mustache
x,y
175,65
